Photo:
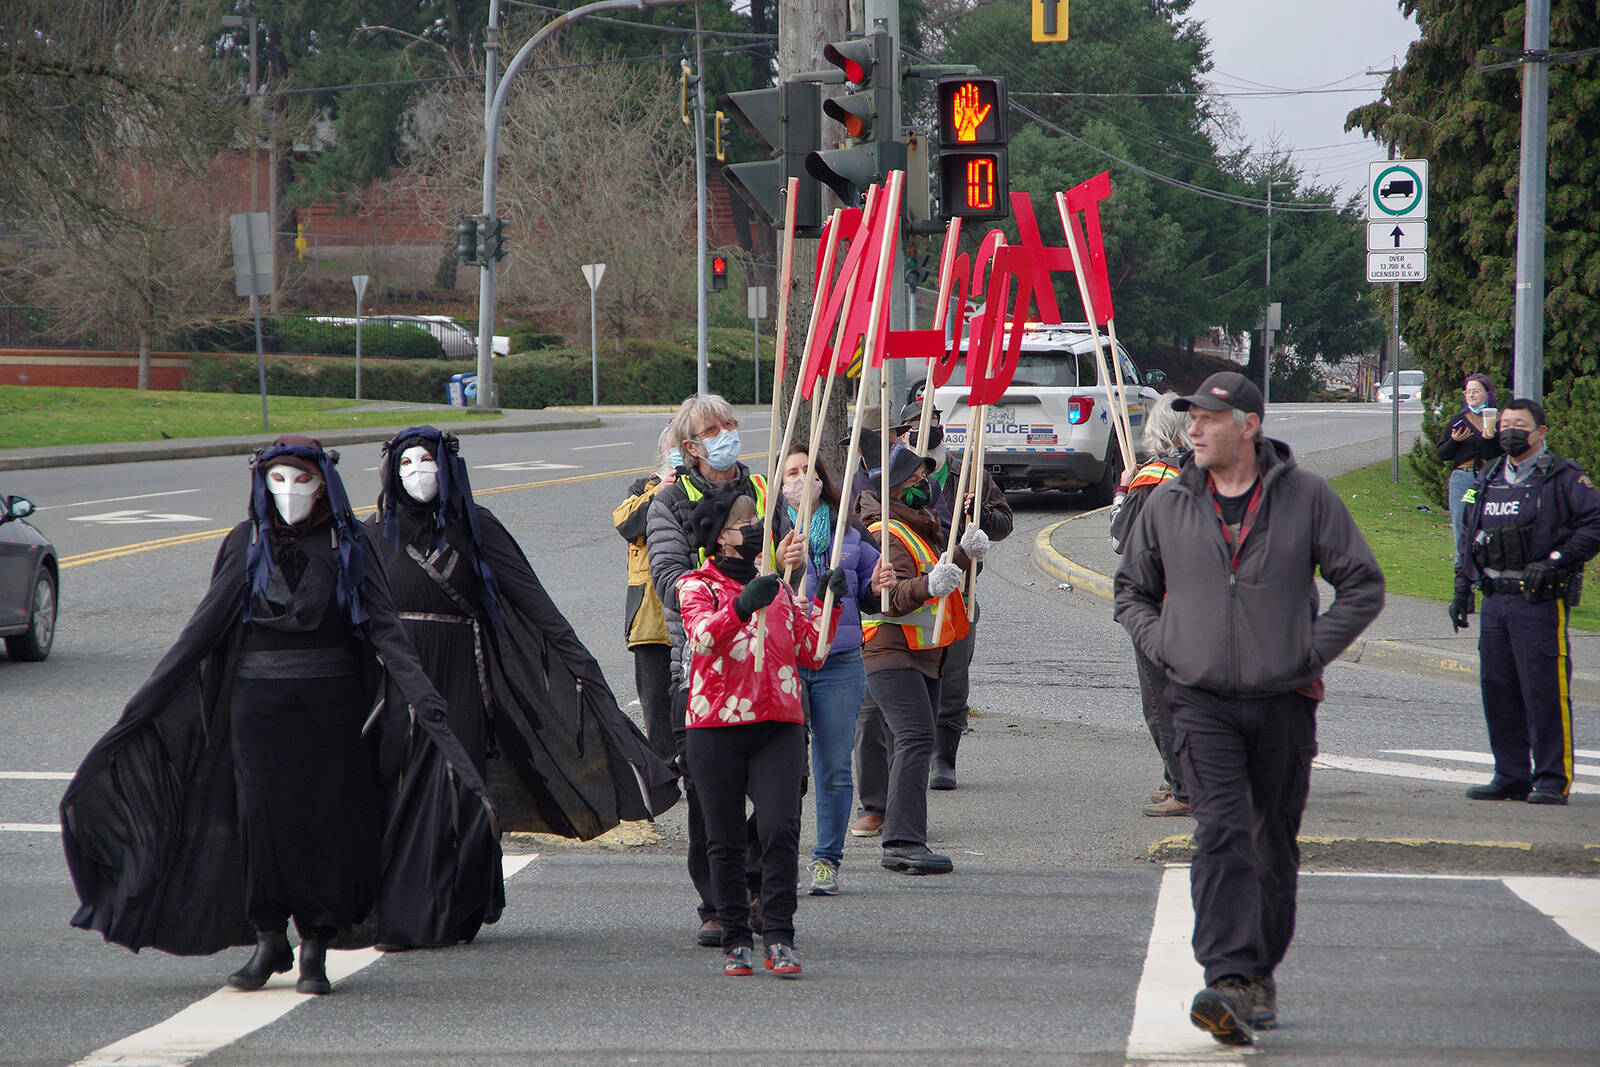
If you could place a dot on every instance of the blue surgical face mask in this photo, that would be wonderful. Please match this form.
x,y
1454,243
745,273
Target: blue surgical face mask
x,y
674,458
722,451
1477,409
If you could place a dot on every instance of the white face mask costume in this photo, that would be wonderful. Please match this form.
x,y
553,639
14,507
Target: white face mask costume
x,y
419,474
293,490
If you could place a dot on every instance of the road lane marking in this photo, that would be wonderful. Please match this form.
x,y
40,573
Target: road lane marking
x,y
114,499
608,444
30,827
1419,771
38,776
1483,759
104,554
228,1015
1571,903
1161,1028
132,517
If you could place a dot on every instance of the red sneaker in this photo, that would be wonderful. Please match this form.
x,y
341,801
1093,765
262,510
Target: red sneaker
x,y
738,963
782,961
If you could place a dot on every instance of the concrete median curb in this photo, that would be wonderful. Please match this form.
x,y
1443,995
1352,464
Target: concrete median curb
x,y
1063,569
1418,854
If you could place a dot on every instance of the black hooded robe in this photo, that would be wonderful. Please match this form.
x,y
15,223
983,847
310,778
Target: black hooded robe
x,y
151,823
571,761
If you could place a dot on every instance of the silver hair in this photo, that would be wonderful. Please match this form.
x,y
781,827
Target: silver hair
x,y
698,409
664,444
1165,429
1242,417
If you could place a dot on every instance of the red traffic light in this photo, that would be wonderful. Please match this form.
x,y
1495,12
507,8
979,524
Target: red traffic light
x,y
719,273
719,265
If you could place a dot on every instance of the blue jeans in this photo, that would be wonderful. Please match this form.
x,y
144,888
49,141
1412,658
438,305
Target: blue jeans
x,y
836,692
1460,482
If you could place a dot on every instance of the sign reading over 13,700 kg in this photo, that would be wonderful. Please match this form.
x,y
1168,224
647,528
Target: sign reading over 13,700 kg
x,y
1397,230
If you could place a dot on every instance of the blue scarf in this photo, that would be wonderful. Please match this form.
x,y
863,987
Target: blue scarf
x,y
820,535
351,560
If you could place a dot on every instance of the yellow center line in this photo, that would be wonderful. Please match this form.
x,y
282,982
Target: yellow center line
x,y
104,554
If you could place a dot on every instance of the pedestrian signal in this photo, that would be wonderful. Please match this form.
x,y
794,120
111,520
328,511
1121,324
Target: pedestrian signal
x,y
974,180
719,273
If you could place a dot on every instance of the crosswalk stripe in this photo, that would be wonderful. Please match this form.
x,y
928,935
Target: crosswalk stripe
x,y
30,827
228,1015
1423,772
1161,1029
1571,903
1482,759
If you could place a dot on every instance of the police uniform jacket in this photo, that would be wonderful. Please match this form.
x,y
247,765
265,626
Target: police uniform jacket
x,y
1559,511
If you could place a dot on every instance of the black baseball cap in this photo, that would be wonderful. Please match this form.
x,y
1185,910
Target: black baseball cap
x,y
1223,390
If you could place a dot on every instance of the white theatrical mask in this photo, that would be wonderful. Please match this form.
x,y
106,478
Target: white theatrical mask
x,y
293,490
419,474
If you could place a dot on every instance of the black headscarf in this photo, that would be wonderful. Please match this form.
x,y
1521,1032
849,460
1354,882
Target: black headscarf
x,y
264,521
453,505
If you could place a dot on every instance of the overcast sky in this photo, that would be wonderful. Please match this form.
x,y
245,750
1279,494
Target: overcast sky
x,y
1305,44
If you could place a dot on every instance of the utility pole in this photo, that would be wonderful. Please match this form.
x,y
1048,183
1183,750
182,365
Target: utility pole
x,y
1266,316
702,371
804,26
1527,361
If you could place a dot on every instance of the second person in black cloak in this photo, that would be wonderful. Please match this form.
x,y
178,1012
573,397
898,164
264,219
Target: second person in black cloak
x,y
519,683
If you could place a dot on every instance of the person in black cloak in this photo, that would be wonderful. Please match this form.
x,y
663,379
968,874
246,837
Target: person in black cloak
x,y
519,683
287,757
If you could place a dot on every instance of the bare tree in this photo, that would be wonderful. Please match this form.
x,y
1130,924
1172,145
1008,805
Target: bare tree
x,y
594,167
85,85
158,262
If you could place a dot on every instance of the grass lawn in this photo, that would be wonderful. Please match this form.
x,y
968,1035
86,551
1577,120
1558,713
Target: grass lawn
x,y
1414,545
38,417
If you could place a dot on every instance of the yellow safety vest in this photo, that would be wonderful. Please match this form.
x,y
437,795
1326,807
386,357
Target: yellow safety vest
x,y
918,625
694,494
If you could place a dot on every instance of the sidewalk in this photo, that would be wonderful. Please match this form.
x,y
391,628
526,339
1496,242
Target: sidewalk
x,y
1373,822
510,421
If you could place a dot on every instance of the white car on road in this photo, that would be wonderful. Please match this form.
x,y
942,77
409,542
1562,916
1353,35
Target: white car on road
x,y
1410,387
1052,429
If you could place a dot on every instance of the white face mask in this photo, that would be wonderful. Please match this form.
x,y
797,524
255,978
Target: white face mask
x,y
293,490
419,473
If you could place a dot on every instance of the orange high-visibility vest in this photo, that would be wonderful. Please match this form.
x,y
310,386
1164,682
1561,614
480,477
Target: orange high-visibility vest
x,y
918,625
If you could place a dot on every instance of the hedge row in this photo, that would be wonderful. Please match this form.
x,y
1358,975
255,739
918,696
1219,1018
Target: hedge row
x,y
295,333
647,371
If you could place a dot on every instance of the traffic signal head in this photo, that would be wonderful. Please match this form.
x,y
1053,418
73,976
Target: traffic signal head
x,y
848,171
719,273
974,179
860,58
494,239
785,123
467,239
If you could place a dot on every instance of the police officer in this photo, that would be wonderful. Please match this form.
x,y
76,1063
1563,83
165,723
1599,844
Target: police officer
x,y
1530,524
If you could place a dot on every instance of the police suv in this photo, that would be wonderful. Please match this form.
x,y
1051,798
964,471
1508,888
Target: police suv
x,y
1052,429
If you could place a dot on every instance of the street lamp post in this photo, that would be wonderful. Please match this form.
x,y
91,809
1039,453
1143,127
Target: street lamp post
x,y
1266,315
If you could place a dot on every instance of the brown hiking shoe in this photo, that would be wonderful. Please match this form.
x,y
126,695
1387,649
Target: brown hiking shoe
x,y
1226,1010
867,824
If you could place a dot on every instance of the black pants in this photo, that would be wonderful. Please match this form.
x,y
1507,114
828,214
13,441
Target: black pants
x,y
955,691
1158,717
1247,763
909,701
698,862
652,677
765,762
872,756
1526,678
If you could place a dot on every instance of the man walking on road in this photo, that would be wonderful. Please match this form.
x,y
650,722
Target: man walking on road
x,y
1529,526
1217,588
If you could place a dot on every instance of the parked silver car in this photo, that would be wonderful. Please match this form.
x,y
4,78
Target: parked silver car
x,y
29,581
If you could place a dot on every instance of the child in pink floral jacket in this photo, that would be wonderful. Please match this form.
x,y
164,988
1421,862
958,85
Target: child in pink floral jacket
x,y
746,733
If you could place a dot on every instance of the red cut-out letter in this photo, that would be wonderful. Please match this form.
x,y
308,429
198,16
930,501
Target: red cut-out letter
x,y
1086,198
990,367
1045,260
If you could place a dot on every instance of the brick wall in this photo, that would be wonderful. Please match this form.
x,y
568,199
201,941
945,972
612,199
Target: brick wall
x,y
109,369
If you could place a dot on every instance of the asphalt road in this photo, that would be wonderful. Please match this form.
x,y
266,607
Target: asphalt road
x,y
1056,940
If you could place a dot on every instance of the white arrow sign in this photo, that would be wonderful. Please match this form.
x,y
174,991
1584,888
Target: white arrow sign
x,y
1397,236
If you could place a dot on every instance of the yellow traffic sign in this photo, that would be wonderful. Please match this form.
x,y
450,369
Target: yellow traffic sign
x,y
1049,20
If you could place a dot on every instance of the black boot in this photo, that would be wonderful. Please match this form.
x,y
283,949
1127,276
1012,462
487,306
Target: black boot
x,y
313,966
272,956
942,775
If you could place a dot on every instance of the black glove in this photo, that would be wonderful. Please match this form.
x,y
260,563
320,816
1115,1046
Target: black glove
x,y
834,582
1539,581
757,595
1460,608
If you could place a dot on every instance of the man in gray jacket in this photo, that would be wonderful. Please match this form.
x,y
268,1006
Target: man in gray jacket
x,y
1217,588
